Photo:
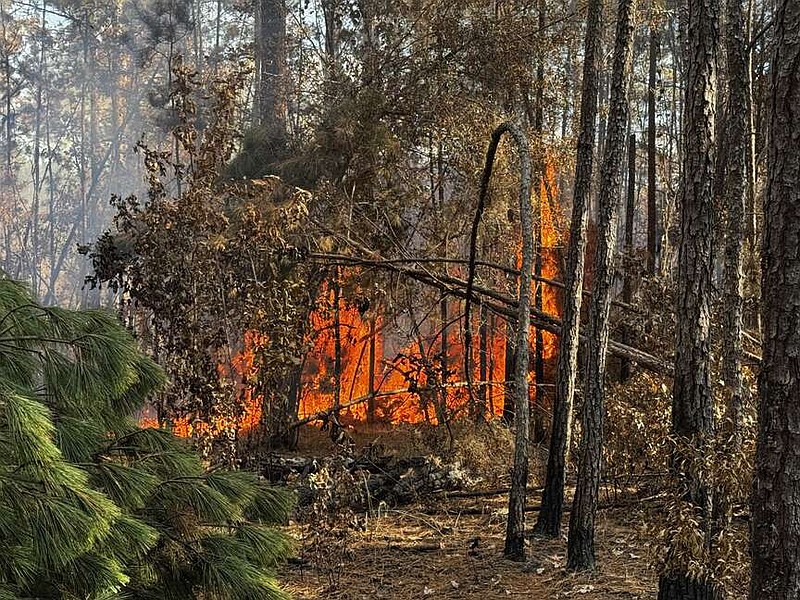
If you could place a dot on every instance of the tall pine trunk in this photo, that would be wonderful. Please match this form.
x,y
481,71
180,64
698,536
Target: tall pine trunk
x,y
539,430
549,521
776,491
652,208
580,549
735,199
692,402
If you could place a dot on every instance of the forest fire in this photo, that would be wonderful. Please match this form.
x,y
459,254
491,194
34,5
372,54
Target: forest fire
x,y
367,372
425,379
548,199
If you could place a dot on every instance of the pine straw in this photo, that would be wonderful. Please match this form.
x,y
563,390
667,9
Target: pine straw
x,y
406,553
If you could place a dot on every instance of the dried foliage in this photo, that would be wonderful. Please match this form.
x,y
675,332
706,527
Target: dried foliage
x,y
211,272
641,448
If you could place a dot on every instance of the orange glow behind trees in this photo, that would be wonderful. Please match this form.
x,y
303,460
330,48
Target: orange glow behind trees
x,y
411,385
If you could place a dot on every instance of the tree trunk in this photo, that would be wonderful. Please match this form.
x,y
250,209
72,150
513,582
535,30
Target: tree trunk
x,y
627,286
776,490
549,521
330,8
371,391
441,395
751,227
735,199
692,403
269,103
515,526
510,360
484,373
539,429
580,550
652,209
337,357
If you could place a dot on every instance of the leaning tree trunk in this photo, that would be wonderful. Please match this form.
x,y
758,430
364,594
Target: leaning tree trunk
x,y
580,549
515,529
549,521
776,491
692,402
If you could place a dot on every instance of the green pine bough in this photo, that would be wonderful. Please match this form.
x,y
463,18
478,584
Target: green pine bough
x,y
93,506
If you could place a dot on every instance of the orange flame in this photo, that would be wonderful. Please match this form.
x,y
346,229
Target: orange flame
x,y
418,383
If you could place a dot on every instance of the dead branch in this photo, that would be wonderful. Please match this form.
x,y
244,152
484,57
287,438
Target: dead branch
x,y
505,306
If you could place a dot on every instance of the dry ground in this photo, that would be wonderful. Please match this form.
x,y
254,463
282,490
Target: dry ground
x,y
451,547
411,553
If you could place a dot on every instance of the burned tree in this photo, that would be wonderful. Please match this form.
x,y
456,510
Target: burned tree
x,y
692,401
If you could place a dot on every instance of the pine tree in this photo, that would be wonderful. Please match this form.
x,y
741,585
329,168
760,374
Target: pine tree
x,y
93,506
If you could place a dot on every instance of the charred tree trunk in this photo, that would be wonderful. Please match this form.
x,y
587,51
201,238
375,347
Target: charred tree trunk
x,y
371,375
652,207
510,361
492,363
337,358
735,200
751,227
580,550
776,491
549,521
483,365
692,402
441,396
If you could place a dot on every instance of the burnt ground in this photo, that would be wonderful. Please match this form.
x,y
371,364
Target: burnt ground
x,y
450,546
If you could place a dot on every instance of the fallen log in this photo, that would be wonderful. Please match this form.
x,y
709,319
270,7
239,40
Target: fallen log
x,y
389,480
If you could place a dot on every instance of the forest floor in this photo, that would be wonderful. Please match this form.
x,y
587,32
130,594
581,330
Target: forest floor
x,y
451,546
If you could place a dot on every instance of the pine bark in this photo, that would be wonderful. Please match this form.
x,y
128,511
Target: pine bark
x,y
549,521
692,402
776,490
580,549
735,199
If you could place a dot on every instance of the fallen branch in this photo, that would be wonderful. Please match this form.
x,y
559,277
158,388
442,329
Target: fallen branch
x,y
416,548
501,304
504,305
344,260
